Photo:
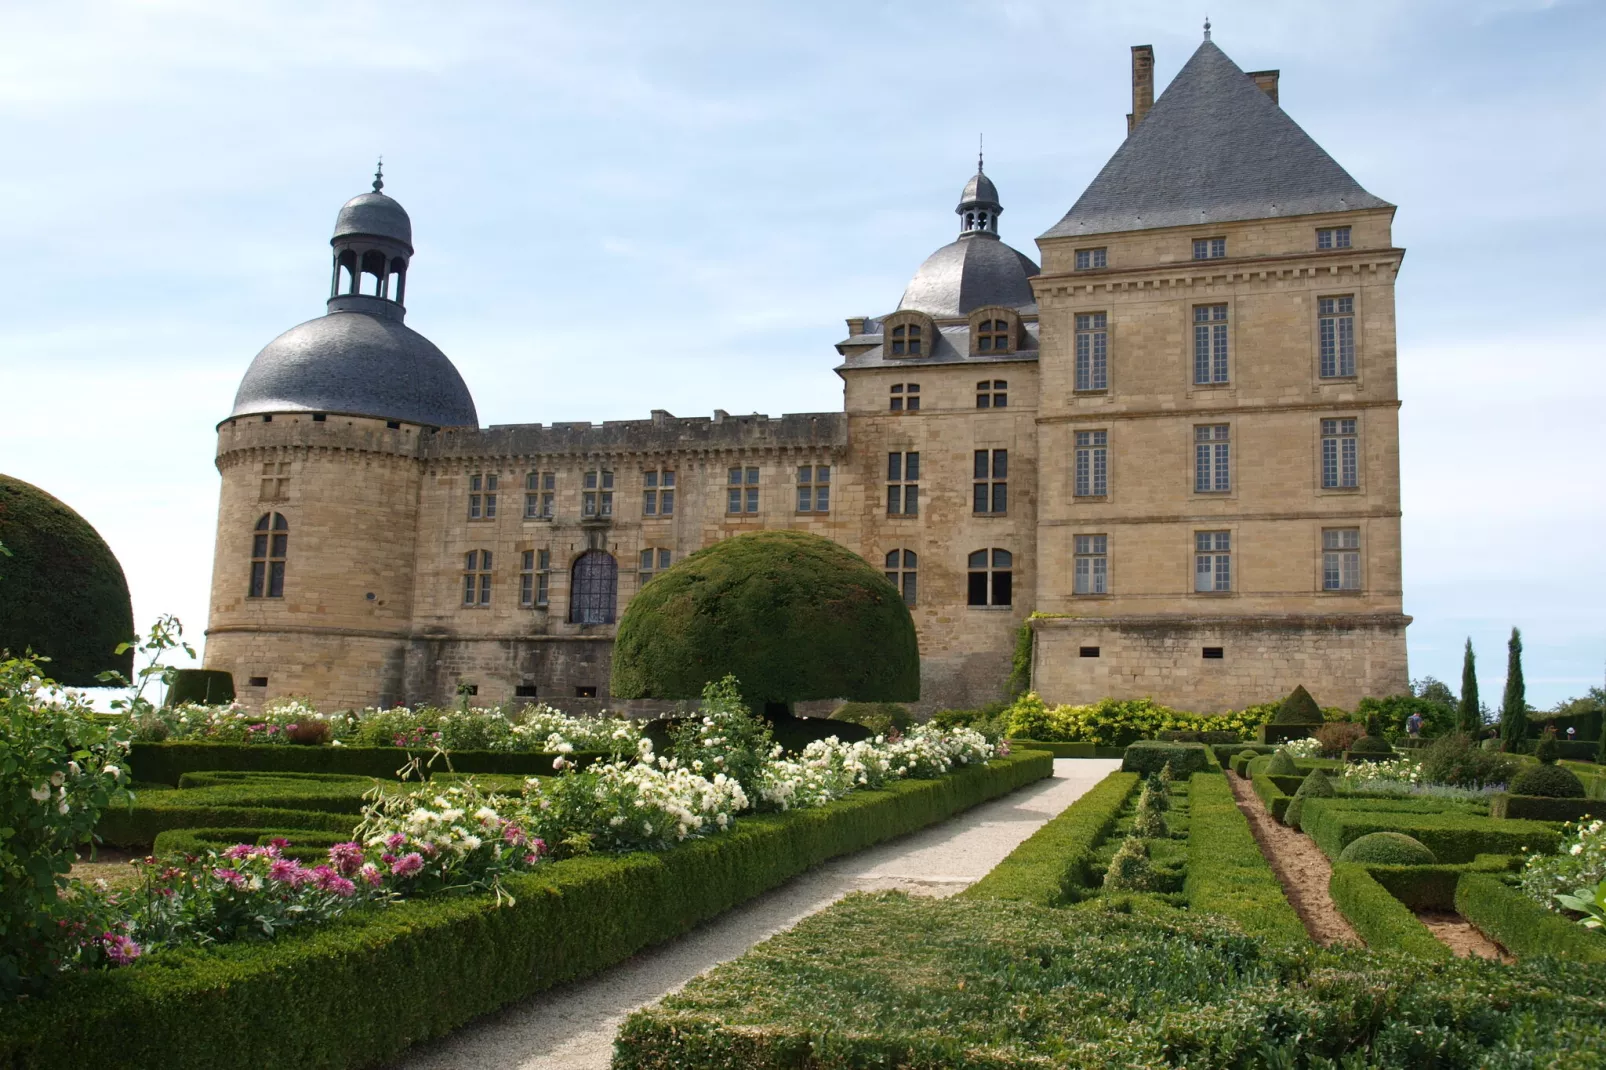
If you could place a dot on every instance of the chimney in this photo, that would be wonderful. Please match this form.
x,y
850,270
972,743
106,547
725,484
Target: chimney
x,y
1267,81
1142,85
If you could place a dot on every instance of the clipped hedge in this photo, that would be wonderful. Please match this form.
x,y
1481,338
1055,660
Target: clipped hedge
x,y
1433,887
359,991
164,763
1450,835
1271,794
1385,923
138,827
1227,874
308,845
1150,756
1070,750
1522,926
1058,855
1542,808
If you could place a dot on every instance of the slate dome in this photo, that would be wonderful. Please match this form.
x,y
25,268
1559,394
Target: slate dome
x,y
964,275
376,215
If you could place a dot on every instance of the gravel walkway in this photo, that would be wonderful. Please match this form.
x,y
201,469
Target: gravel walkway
x,y
573,1027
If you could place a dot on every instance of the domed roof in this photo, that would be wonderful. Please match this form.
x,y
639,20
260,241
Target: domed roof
x,y
964,275
62,592
979,190
361,364
375,214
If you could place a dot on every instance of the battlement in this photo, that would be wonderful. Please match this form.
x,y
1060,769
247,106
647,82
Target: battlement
x,y
662,433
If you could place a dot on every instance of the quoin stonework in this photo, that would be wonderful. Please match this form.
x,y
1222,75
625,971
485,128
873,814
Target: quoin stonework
x,y
1173,449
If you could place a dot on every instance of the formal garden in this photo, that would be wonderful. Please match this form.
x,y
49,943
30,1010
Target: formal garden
x,y
187,882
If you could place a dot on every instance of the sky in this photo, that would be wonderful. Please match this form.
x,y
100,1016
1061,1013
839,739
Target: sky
x,y
626,206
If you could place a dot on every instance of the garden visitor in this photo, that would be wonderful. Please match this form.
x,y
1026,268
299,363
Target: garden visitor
x,y
1413,725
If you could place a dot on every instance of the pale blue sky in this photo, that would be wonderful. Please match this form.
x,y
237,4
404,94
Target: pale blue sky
x,y
621,207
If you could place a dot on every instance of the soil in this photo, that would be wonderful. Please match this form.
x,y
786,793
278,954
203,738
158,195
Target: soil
x,y
1300,865
110,864
1461,937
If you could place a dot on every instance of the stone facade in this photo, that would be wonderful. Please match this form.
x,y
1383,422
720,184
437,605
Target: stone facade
x,y
404,584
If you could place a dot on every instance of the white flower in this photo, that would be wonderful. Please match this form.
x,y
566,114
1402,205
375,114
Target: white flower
x,y
112,771
40,794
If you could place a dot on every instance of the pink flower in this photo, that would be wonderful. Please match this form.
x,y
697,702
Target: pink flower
x,y
370,873
395,841
288,872
512,834
279,842
230,876
346,857
240,850
120,949
408,864
329,881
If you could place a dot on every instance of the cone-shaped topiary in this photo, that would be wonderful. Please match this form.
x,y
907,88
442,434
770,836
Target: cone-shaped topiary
x,y
793,616
1166,775
1388,849
1551,781
1130,870
1154,789
1298,708
1282,764
1315,786
62,592
1547,751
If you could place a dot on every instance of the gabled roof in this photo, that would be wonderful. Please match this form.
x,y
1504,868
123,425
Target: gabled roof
x,y
1213,148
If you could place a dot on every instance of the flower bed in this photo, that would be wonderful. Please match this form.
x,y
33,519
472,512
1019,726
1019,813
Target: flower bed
x,y
361,989
1116,723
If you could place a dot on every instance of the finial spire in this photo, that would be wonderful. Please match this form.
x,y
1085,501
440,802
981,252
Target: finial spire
x,y
980,142
379,171
1207,27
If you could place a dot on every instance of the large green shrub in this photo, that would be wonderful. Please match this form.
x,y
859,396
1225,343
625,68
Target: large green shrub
x,y
1456,760
1549,781
62,592
793,616
1130,870
1389,849
1185,758
1298,708
1514,703
1393,711
208,687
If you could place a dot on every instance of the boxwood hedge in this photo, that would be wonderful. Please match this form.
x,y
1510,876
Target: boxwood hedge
x,y
1385,923
1520,925
1058,854
164,763
1227,874
1452,836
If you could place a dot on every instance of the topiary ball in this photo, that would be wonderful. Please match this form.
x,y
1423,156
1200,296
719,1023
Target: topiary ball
x,y
1298,708
1282,764
1550,781
1388,849
1315,786
1371,745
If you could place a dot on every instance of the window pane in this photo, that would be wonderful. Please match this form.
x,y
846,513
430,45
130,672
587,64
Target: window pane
x,y
1000,464
909,592
1003,588
978,503
911,500
892,559
977,594
822,499
752,476
805,499
735,475
646,559
1204,573
663,559
894,500
1000,401
1002,558
752,501
911,466
984,401
649,503
669,479
276,579
259,545
666,502
1000,497
977,559
805,474
259,571
733,502
549,481
980,465
591,481
822,473
894,466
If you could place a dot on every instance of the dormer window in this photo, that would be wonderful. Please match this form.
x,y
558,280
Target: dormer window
x,y
906,341
992,336
909,334
993,330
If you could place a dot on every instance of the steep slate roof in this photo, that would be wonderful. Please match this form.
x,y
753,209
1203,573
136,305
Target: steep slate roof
x,y
1213,148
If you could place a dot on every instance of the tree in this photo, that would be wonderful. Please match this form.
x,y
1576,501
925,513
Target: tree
x,y
792,616
1514,707
1469,715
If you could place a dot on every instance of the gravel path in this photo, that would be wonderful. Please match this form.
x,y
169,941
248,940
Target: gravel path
x,y
1300,865
573,1027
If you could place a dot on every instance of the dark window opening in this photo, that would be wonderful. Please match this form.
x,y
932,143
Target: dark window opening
x,y
1215,653
468,689
1088,652
257,681
585,692
267,418
524,691
319,417
393,424
991,579
594,589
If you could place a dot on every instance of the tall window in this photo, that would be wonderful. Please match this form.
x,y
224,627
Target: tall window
x,y
1332,238
540,489
1092,464
1212,458
1092,565
814,488
989,491
658,497
906,341
992,394
535,569
1209,344
477,578
270,543
275,481
992,336
482,497
991,578
593,588
596,500
1092,351
1340,460
1209,248
1090,258
905,397
742,491
1336,327
901,566
654,560
1341,559
903,484
1212,561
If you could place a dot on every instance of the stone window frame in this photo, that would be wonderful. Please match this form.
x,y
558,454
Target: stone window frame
x,y
742,483
1232,551
1331,554
813,489
594,591
902,567
1320,451
892,340
1093,548
596,494
1211,248
983,324
540,495
482,494
1336,237
1093,335
1185,314
1092,259
1356,294
989,478
903,397
270,556
651,561
658,493
275,482
1097,448
996,563
1214,444
478,578
535,578
992,394
902,489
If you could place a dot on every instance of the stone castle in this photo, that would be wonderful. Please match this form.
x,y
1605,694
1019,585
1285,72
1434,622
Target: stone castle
x,y
1173,449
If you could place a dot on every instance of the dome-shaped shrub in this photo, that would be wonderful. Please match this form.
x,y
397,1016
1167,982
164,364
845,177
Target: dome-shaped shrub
x,y
1298,708
1315,786
1282,764
1371,745
792,616
62,592
1388,849
1551,781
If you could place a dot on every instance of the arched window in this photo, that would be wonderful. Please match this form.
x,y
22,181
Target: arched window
x,y
906,341
992,336
653,561
477,578
901,565
593,588
992,578
269,543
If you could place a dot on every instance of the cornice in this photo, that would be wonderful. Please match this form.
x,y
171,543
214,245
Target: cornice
x,y
1216,518
1092,416
1186,274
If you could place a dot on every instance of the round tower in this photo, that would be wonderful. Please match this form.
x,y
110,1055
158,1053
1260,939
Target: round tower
x,y
313,571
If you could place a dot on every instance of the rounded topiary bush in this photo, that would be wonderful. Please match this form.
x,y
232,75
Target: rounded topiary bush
x,y
1371,745
1388,849
1282,764
62,592
1298,708
209,687
792,616
1315,786
1551,781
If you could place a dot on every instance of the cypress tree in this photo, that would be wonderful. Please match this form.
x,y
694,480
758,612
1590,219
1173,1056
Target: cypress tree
x,y
1468,713
1514,708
